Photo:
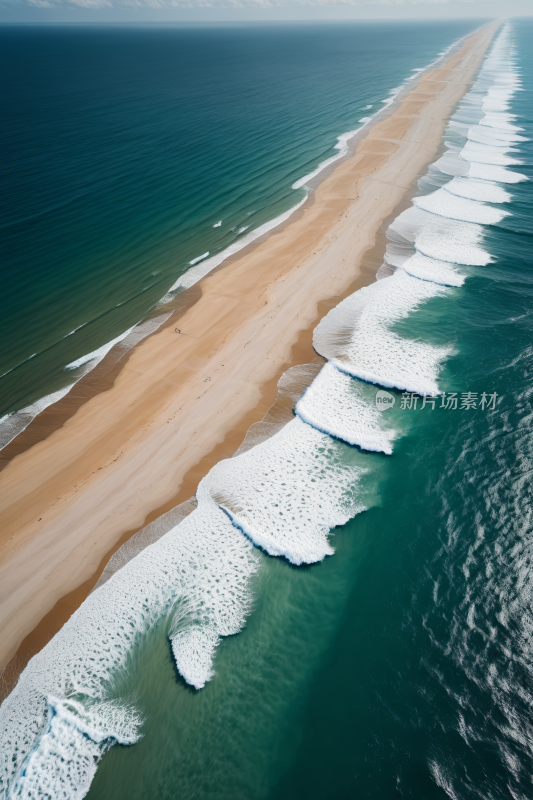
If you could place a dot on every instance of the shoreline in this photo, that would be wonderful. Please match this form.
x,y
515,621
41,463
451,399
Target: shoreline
x,y
302,353
101,378
130,441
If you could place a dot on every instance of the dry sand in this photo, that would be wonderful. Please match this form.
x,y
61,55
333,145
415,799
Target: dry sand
x,y
182,402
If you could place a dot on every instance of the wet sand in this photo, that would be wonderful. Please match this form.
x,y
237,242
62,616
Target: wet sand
x,y
182,401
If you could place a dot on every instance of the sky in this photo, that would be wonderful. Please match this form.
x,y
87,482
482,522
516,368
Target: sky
x,y
175,11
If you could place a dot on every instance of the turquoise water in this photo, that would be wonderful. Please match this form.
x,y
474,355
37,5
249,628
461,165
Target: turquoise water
x,y
401,665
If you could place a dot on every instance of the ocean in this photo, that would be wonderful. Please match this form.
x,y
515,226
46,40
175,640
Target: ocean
x,y
130,152
391,656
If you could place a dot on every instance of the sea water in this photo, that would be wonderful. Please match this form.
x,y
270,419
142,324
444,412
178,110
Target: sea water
x,y
135,159
399,665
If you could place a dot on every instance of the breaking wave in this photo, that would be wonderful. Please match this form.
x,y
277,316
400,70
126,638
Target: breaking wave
x,y
358,338
288,492
343,408
196,577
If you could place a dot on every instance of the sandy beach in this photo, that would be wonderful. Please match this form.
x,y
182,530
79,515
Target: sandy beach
x,y
184,400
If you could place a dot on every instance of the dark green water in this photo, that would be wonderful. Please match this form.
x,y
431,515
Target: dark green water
x,y
122,147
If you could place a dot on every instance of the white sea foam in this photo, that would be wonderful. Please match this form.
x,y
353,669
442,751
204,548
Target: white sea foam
x,y
444,204
13,424
199,258
399,249
498,97
65,759
136,335
490,135
286,493
452,164
482,191
145,537
445,226
488,172
343,407
385,271
500,121
442,239
487,154
217,224
63,714
290,387
428,269
99,353
357,335
76,329
458,238
341,146
394,92
192,276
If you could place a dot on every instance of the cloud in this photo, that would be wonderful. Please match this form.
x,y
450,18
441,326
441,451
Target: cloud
x,y
90,3
253,3
269,3
231,4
